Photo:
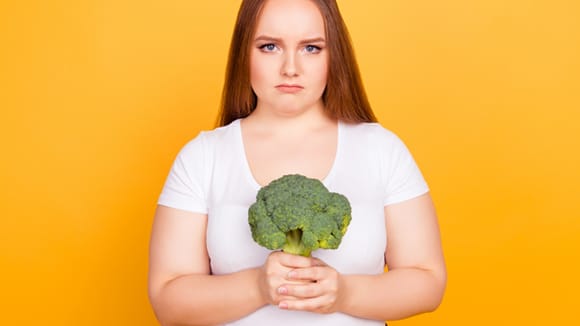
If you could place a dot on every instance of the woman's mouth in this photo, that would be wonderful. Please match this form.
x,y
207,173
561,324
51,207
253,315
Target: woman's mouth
x,y
289,88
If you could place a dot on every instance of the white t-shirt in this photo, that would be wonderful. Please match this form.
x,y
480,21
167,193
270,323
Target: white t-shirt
x,y
372,168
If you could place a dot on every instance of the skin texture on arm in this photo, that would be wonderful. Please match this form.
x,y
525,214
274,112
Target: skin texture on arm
x,y
181,289
414,284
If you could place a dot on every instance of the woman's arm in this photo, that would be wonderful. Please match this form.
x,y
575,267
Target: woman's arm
x,y
181,289
417,276
415,282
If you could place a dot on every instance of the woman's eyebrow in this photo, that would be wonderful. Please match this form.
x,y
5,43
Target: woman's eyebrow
x,y
313,40
279,40
268,39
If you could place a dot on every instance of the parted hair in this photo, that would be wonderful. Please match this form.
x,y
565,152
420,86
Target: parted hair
x,y
344,97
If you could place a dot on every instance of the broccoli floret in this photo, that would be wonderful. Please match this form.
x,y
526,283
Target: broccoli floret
x,y
298,215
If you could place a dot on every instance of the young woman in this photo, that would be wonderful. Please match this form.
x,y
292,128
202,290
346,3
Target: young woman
x,y
293,102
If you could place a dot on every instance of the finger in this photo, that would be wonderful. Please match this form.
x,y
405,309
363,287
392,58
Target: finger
x,y
294,261
308,274
282,298
317,304
281,294
302,291
318,262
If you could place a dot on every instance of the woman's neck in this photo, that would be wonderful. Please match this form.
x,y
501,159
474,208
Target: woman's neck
x,y
268,121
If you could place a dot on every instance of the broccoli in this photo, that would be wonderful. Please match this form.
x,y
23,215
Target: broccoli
x,y
298,215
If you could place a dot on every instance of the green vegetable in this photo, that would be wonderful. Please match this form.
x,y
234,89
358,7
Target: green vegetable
x,y
298,215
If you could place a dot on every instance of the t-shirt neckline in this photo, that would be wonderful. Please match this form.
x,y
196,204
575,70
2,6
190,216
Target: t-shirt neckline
x,y
248,171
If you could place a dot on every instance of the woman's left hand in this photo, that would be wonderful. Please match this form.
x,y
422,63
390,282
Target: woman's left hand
x,y
321,295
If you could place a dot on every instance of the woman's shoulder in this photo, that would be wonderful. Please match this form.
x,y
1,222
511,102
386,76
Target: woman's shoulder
x,y
210,138
369,131
220,132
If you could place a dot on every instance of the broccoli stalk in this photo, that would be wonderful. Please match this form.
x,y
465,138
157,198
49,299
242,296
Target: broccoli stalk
x,y
294,243
298,215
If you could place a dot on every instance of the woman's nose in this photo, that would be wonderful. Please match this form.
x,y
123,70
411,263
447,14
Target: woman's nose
x,y
289,66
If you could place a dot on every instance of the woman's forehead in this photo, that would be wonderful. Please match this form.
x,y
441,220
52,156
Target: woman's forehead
x,y
290,19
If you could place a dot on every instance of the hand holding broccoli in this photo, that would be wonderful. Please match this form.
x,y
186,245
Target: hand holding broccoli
x,y
294,282
298,215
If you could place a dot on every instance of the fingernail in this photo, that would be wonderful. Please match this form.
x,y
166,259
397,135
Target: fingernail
x,y
282,290
291,274
283,305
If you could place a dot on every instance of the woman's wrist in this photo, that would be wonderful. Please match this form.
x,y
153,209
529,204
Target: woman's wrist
x,y
345,295
255,278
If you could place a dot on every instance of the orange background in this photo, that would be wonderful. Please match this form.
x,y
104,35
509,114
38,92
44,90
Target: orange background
x,y
97,97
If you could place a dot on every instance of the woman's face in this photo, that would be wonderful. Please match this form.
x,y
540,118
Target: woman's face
x,y
289,59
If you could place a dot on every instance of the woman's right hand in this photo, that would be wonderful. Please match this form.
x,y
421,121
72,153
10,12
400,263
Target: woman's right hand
x,y
274,274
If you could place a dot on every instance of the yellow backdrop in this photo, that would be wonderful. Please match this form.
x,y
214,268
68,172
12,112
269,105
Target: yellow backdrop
x,y
97,97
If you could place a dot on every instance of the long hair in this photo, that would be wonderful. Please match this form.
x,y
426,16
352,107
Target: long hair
x,y
344,97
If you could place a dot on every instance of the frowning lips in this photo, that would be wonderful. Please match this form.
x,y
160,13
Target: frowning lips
x,y
289,88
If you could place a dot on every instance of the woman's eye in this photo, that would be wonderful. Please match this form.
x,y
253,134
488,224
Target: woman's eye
x,y
312,49
268,47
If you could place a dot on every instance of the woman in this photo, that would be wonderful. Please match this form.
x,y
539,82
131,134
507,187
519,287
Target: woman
x,y
293,103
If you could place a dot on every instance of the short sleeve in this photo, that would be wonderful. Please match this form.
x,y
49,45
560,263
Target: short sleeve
x,y
184,187
403,178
